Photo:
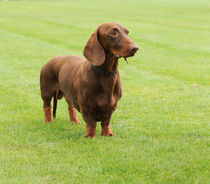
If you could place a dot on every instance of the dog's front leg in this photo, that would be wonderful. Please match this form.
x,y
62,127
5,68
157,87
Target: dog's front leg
x,y
90,130
106,131
90,122
47,114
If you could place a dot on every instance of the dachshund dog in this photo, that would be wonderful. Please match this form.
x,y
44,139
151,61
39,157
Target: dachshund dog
x,y
92,85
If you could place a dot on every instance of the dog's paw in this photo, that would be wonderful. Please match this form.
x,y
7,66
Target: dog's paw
x,y
76,121
90,135
107,133
48,121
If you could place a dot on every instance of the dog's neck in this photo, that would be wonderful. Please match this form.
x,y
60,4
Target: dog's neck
x,y
110,64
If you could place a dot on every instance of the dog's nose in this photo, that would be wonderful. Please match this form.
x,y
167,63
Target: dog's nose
x,y
134,48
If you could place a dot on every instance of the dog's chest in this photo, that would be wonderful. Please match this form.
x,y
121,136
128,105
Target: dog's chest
x,y
102,105
99,97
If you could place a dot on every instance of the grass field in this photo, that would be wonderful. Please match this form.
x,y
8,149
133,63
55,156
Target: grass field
x,y
162,120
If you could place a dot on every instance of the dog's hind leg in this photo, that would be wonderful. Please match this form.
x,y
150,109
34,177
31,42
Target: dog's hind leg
x,y
72,112
47,110
47,97
47,93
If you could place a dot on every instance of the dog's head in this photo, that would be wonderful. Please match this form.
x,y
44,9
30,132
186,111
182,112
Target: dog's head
x,y
109,38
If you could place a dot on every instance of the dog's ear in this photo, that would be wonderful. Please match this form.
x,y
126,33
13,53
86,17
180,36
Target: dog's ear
x,y
93,50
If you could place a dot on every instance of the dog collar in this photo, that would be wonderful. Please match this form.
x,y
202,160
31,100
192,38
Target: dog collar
x,y
101,71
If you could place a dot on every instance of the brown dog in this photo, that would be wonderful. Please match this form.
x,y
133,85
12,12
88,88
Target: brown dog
x,y
91,86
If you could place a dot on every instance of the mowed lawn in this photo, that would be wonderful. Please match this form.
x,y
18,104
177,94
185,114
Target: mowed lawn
x,y
162,121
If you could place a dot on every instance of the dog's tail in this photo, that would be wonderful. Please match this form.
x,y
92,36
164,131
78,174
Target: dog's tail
x,y
55,101
57,96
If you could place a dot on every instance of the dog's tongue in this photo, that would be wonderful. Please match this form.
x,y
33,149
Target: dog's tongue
x,y
126,59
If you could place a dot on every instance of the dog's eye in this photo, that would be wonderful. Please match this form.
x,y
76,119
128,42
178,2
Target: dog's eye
x,y
127,32
113,32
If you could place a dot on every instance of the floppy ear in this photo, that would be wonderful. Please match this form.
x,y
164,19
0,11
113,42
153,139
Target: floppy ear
x,y
93,50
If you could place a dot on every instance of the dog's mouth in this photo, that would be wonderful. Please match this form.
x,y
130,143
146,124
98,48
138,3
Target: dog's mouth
x,y
125,57
131,51
132,54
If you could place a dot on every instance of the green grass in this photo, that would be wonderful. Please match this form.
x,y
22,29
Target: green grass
x,y
162,120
